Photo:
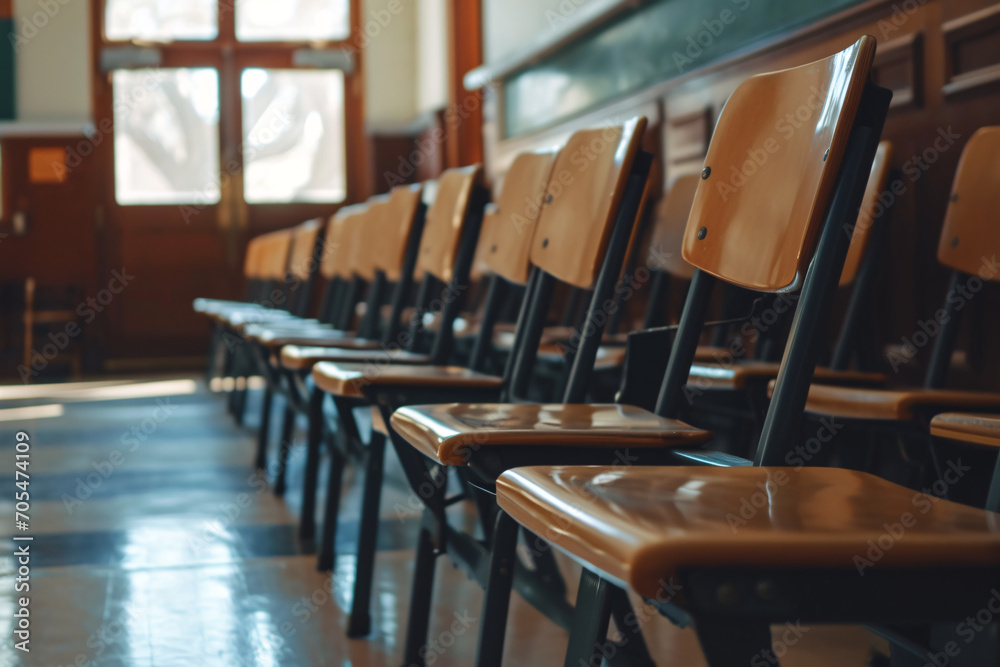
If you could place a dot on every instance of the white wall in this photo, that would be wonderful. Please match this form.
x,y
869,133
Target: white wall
x,y
405,76
510,25
53,62
390,53
434,56
407,60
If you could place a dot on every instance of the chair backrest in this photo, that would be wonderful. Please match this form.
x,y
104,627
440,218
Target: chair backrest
x,y
505,240
767,185
277,248
668,228
861,235
336,256
252,262
302,259
971,236
446,220
397,221
585,189
366,238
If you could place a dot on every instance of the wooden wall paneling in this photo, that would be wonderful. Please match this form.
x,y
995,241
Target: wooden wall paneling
x,y
464,117
899,67
972,51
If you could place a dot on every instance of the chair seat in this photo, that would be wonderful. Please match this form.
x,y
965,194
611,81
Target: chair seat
x,y
739,376
304,357
309,336
607,357
855,403
965,427
642,525
711,354
350,379
449,433
246,316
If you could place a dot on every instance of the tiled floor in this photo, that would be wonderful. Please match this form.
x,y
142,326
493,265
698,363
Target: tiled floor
x,y
154,556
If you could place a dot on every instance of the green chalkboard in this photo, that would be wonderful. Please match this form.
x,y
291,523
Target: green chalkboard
x,y
659,41
8,88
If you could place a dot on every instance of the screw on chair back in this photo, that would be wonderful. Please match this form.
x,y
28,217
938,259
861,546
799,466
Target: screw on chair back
x,y
785,171
969,241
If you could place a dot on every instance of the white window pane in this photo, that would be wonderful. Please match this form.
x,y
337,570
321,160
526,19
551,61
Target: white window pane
x,y
292,20
166,136
161,20
293,134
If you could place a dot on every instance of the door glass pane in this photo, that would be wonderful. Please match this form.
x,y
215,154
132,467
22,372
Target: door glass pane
x,y
292,20
166,136
293,134
161,20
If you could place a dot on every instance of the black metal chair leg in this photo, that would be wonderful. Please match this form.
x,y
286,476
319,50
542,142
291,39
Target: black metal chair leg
x,y
632,646
307,517
590,622
287,433
545,564
327,546
265,427
728,642
420,600
493,621
359,623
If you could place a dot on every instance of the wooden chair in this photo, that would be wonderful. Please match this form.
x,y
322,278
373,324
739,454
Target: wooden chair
x,y
807,185
968,240
580,239
370,244
35,316
751,546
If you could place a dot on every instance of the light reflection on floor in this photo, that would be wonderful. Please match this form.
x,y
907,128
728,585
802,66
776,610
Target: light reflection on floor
x,y
157,568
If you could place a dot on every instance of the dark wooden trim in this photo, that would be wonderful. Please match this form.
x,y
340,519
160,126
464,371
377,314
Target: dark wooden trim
x,y
978,24
464,118
906,51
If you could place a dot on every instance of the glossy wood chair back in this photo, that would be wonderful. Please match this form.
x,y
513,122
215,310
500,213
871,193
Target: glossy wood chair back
x,y
446,221
767,185
871,210
366,238
669,224
252,264
277,248
971,235
398,222
336,255
585,190
302,259
507,235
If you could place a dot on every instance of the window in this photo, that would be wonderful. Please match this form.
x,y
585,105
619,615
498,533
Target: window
x,y
161,20
176,127
292,20
293,135
166,136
